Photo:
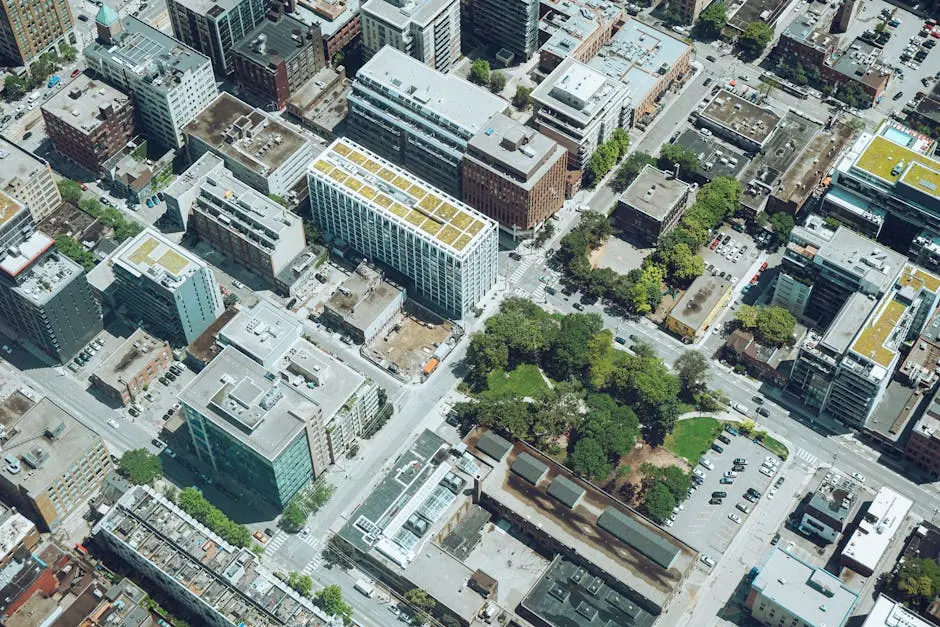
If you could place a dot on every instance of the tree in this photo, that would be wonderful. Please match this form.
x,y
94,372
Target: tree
x,y
569,353
918,580
676,480
775,325
73,249
195,504
589,459
67,52
629,170
497,82
614,426
682,265
692,368
70,191
782,223
711,21
279,200
292,518
15,87
330,600
140,466
747,316
621,139
485,354
544,234
672,154
522,100
416,597
754,39
480,72
302,584
658,503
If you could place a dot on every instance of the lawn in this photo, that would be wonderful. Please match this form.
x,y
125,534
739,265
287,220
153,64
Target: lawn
x,y
526,380
693,437
776,447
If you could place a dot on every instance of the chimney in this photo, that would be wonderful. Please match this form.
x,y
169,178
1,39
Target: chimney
x,y
676,173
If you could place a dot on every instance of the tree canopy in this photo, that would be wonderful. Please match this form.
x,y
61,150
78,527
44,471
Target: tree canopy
x,y
480,72
629,170
140,466
671,154
711,21
589,459
330,600
692,368
196,505
754,39
70,191
73,249
497,82
772,325
658,503
522,99
918,581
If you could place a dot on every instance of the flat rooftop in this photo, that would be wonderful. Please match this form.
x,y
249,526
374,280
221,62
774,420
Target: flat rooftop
x,y
193,175
9,208
876,264
816,596
18,258
814,160
812,29
152,254
404,12
719,159
782,151
577,91
857,63
403,197
848,322
249,136
639,55
654,192
126,362
514,149
362,296
876,529
235,393
46,278
262,332
453,100
228,579
890,613
82,102
830,497
898,154
741,116
757,10
577,29
17,164
329,15
699,300
279,41
48,441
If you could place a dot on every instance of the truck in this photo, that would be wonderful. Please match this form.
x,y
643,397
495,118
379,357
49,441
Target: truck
x,y
365,587
53,81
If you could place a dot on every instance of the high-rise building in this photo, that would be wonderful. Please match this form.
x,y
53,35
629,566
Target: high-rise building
x,y
417,117
513,25
446,251
170,82
44,296
514,175
28,29
89,122
166,287
688,10
215,27
427,30
338,21
27,178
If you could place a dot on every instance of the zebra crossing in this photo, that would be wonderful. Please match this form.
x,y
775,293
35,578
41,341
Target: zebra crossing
x,y
275,543
808,457
522,268
316,561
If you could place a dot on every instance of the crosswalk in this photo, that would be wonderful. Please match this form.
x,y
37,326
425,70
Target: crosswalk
x,y
808,457
317,561
521,269
275,543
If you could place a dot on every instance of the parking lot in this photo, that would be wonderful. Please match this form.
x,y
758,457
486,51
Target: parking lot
x,y
730,255
707,527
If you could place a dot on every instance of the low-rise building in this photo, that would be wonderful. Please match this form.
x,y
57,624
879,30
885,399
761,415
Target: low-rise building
x,y
514,175
133,175
788,591
259,149
52,464
17,533
858,67
320,103
738,120
364,304
890,613
652,205
89,122
692,316
28,178
881,521
808,39
276,58
128,371
762,362
829,510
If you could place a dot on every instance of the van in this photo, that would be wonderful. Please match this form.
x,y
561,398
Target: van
x,y
12,464
364,587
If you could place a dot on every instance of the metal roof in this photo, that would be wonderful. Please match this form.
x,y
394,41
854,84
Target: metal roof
x,y
647,542
529,468
566,491
494,445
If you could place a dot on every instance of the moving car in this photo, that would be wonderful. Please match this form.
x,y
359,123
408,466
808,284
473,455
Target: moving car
x,y
763,411
114,423
858,477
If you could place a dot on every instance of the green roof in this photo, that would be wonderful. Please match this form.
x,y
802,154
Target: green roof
x,y
106,15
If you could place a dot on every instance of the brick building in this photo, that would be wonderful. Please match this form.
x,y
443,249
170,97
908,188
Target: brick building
x,y
652,205
276,58
140,360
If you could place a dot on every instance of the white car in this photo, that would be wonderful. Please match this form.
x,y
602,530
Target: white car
x,y
766,471
858,477
731,474
734,280
708,561
237,283
735,518
114,423
741,409
707,463
771,493
698,473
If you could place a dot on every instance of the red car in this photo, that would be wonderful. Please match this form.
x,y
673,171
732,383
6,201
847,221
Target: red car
x,y
755,279
84,187
763,266
75,73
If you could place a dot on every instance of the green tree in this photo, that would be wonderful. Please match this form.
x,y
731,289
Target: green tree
x,y
644,288
711,21
497,82
692,369
15,87
918,581
658,503
672,154
194,504
589,459
485,354
140,466
278,199
775,325
330,600
569,353
682,264
73,249
70,191
621,139
302,584
544,234
754,39
68,52
747,316
418,598
612,425
782,223
480,72
522,99
676,480
292,518
629,170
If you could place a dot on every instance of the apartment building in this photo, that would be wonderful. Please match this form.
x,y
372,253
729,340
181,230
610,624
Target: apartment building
x,y
511,26
923,445
259,149
138,362
27,178
688,10
18,535
868,543
579,107
830,509
514,175
221,584
52,464
169,81
215,27
28,29
446,251
574,29
426,30
166,287
338,21
652,205
417,117
276,58
89,122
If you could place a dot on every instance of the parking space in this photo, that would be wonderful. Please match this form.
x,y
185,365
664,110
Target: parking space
x,y
159,401
730,255
706,526
96,352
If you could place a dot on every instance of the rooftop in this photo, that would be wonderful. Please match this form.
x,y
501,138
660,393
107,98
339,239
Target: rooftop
x,y
812,29
859,62
756,10
150,253
883,518
228,579
46,278
816,596
401,196
14,527
237,395
20,257
127,361
715,159
17,164
639,55
817,157
794,134
700,300
283,40
329,15
870,261
432,94
848,322
47,440
741,116
149,53
263,332
889,613
84,103
363,296
514,149
400,13
9,207
577,29
898,154
235,129
654,192
834,500
577,91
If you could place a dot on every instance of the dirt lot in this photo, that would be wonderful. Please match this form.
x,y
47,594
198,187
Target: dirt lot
x,y
641,454
13,407
410,346
73,221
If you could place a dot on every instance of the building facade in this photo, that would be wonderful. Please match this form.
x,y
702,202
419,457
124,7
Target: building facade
x,y
427,30
89,122
514,175
28,29
512,26
166,287
416,117
276,58
445,250
653,204
127,372
28,179
338,21
215,27
169,81
923,445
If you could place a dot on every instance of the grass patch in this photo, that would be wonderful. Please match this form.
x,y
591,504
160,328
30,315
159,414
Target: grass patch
x,y
526,380
776,447
692,437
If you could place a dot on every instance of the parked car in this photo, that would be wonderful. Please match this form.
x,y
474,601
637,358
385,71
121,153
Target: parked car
x,y
779,482
715,501
157,443
766,471
707,463
620,340
170,376
726,480
858,477
718,494
724,439
738,468
730,473
735,518
75,73
775,539
717,448
740,461
697,472
731,430
741,409
744,508
163,380
707,561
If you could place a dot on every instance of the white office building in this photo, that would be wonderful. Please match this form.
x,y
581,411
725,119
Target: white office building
x,y
428,30
883,519
446,250
170,82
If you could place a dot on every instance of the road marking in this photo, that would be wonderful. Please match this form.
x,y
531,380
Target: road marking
x,y
805,455
524,265
277,541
